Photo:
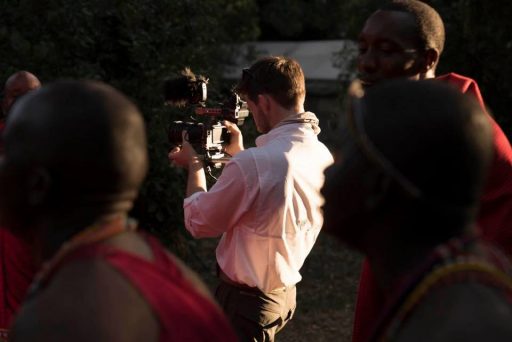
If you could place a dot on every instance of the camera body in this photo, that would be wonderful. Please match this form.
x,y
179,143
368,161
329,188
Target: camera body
x,y
209,136
208,139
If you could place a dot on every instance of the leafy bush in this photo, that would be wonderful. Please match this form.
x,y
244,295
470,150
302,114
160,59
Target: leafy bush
x,y
133,45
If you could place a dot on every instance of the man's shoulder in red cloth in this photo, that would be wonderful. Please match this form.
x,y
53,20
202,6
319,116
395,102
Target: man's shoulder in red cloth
x,y
105,293
495,215
184,307
494,219
17,270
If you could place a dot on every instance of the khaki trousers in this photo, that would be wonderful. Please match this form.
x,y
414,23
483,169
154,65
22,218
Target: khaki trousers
x,y
256,316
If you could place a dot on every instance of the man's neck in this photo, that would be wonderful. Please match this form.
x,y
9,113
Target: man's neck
x,y
53,232
391,268
281,113
390,256
429,75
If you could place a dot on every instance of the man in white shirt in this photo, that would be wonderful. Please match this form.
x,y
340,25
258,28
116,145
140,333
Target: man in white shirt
x,y
266,204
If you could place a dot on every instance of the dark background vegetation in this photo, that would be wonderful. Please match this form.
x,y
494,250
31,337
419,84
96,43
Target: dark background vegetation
x,y
136,44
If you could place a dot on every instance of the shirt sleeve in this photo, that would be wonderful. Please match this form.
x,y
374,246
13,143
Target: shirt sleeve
x,y
209,214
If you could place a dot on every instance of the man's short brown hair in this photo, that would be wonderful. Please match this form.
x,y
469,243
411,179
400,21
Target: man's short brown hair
x,y
280,77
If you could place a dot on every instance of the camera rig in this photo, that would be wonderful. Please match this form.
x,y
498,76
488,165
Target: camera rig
x,y
209,136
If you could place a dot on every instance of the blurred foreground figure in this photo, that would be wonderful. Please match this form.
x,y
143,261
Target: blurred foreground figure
x,y
405,39
414,159
75,156
16,264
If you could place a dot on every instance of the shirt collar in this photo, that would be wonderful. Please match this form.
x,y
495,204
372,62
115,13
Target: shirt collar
x,y
289,125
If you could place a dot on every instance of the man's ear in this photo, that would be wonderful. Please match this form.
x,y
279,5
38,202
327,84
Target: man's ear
x,y
38,184
430,59
264,101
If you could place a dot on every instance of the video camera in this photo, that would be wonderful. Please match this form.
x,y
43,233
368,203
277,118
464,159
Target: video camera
x,y
209,137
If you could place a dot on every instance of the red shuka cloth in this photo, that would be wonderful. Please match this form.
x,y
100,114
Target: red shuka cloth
x,y
494,220
16,273
183,313
17,269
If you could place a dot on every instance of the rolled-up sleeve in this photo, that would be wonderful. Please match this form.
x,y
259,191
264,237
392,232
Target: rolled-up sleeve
x,y
209,214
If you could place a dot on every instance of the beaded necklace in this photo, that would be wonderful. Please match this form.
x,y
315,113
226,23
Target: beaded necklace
x,y
449,262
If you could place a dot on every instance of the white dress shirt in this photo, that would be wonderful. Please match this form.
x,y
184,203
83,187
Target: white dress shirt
x,y
267,206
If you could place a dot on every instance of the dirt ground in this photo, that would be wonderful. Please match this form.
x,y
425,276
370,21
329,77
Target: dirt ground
x,y
325,296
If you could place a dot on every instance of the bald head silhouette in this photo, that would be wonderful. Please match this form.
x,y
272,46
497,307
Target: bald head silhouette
x,y
72,145
17,85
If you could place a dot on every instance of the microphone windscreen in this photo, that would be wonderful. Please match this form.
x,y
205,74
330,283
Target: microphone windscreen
x,y
185,89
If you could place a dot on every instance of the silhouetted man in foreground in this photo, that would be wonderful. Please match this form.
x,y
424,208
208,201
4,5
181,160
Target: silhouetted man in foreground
x,y
406,193
405,39
75,156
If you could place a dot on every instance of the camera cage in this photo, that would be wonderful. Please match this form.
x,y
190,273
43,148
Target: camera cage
x,y
207,136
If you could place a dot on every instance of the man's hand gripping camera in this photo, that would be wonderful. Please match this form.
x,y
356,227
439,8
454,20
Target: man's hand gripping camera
x,y
210,137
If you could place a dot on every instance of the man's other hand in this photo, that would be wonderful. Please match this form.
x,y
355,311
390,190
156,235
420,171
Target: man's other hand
x,y
183,156
236,143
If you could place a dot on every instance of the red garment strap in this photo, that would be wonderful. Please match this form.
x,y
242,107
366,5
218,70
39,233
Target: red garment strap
x,y
101,250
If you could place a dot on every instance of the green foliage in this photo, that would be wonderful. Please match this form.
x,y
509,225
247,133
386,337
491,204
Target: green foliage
x,y
312,19
133,45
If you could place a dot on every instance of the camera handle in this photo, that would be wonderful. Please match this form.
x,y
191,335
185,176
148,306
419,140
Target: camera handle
x,y
216,163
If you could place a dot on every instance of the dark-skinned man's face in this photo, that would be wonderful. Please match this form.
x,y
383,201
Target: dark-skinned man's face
x,y
388,48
